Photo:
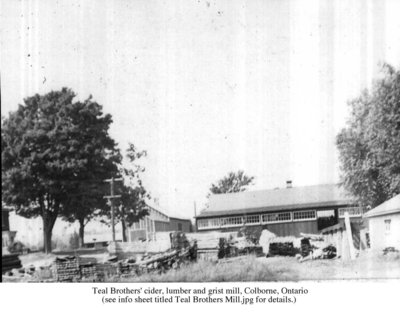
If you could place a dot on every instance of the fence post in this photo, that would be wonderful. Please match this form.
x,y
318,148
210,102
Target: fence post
x,y
349,235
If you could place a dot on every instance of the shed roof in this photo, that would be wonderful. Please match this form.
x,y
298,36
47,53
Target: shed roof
x,y
276,200
182,219
389,207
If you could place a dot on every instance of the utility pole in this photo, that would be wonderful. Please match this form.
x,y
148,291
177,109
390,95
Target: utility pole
x,y
195,215
111,200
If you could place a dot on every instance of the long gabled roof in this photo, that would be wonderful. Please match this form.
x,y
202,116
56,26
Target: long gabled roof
x,y
276,200
389,207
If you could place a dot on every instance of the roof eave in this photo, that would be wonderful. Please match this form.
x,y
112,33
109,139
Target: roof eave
x,y
258,210
383,213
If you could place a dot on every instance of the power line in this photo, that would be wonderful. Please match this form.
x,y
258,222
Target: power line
x,y
111,200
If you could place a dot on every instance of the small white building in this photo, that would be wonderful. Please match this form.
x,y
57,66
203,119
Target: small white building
x,y
384,224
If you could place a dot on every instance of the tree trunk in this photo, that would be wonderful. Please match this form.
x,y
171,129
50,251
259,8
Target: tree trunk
x,y
48,224
124,237
49,218
81,233
47,233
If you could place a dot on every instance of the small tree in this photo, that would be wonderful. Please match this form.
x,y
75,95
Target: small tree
x,y
369,146
131,207
84,204
232,183
51,146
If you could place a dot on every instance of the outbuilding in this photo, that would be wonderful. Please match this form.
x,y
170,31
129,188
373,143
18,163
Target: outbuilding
x,y
384,224
156,221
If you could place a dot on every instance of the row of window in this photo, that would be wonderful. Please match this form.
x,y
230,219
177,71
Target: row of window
x,y
353,211
144,224
211,223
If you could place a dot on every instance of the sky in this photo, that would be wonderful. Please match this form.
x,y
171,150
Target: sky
x,y
206,87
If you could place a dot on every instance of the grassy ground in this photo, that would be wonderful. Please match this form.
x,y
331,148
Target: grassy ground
x,y
250,268
282,269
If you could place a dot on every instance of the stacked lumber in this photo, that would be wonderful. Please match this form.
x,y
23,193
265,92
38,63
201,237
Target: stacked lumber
x,y
107,269
256,250
284,246
241,245
88,270
282,249
206,240
312,237
66,268
208,254
212,246
10,261
161,243
208,244
127,268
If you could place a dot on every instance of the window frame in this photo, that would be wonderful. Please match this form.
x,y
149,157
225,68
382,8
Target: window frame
x,y
276,221
307,218
388,223
245,218
344,209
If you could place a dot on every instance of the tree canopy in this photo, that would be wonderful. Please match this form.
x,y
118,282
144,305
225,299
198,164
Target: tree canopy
x,y
231,183
369,145
55,150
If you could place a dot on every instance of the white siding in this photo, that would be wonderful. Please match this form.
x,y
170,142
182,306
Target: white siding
x,y
379,236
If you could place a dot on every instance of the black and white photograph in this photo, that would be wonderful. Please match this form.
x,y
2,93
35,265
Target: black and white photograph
x,y
200,141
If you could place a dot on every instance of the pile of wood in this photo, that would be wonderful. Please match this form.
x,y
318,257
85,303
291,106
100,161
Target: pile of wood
x,y
66,268
161,243
315,247
207,243
238,246
88,270
282,249
306,247
213,246
329,252
127,268
10,261
106,270
284,246
389,250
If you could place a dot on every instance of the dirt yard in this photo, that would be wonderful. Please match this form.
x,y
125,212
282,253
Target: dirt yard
x,y
250,268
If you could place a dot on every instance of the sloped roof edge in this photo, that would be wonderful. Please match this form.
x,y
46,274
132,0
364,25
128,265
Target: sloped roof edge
x,y
391,206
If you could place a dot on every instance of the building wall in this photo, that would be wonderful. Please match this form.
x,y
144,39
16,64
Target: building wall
x,y
5,225
161,226
315,219
183,225
293,228
380,237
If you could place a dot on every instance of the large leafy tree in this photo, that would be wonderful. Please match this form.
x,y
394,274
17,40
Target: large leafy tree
x,y
55,150
233,182
369,145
